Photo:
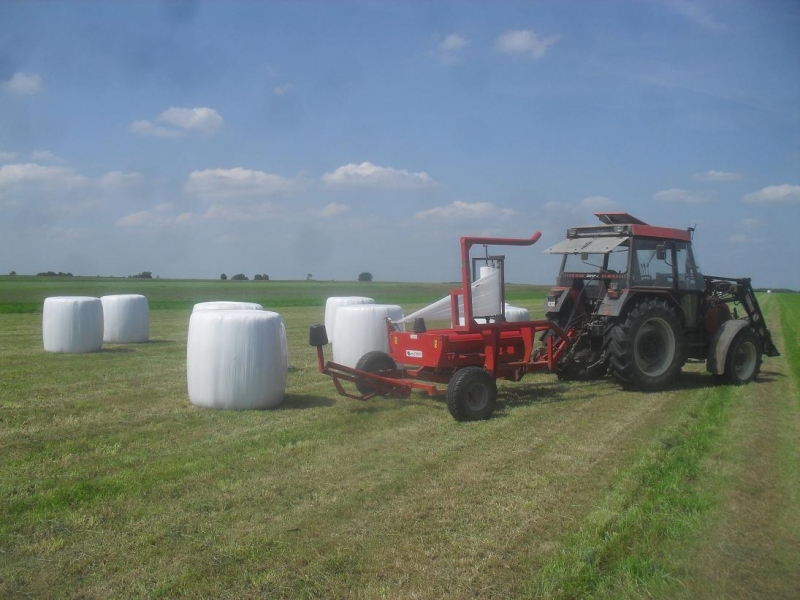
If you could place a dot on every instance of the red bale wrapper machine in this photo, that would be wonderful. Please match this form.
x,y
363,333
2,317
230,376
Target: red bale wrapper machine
x,y
468,358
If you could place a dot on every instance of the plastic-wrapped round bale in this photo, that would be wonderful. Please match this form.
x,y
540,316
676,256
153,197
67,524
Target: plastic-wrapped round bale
x,y
333,304
361,328
236,359
226,305
72,324
126,319
515,314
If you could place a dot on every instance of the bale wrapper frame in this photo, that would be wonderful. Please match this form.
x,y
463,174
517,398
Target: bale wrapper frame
x,y
467,358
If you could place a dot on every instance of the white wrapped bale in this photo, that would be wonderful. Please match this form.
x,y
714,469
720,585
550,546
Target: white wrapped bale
x,y
236,359
333,304
516,314
72,324
226,305
126,319
361,328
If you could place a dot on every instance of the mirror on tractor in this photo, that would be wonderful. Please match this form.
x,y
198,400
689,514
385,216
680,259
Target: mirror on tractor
x,y
661,252
584,256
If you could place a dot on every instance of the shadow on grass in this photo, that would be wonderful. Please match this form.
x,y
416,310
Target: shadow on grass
x,y
160,342
117,350
302,402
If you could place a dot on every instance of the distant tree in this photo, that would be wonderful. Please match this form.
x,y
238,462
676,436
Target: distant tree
x,y
257,277
223,277
13,273
365,276
309,276
142,275
240,277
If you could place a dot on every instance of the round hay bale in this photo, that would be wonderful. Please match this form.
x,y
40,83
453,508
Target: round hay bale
x,y
236,359
226,305
333,304
516,314
72,324
126,319
361,328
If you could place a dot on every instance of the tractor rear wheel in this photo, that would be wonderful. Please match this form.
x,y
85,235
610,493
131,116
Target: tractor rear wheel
x,y
471,394
743,362
647,350
373,362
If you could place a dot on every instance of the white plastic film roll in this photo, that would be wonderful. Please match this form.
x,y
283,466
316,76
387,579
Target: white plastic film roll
x,y
126,319
333,304
516,314
361,329
226,305
236,359
72,324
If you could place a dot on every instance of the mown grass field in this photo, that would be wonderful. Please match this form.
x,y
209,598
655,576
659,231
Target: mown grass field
x,y
113,485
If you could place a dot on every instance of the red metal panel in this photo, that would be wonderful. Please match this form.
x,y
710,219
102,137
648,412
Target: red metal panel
x,y
666,233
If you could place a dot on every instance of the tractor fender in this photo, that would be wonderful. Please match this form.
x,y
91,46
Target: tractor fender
x,y
555,299
718,349
613,307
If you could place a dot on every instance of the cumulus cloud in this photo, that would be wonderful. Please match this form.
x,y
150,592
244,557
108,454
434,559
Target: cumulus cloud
x,y
597,203
450,49
333,209
681,196
524,43
23,84
775,194
717,176
40,176
41,156
118,179
177,122
8,156
368,175
464,210
232,184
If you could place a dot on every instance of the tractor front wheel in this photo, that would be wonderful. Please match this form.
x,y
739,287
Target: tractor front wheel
x,y
471,394
373,362
647,350
743,363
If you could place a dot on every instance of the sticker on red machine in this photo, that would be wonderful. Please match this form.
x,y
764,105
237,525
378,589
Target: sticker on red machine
x,y
414,353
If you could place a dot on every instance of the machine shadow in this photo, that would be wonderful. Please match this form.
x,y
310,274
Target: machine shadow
x,y
303,402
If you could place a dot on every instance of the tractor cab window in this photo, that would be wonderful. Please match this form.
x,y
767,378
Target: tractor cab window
x,y
689,276
652,263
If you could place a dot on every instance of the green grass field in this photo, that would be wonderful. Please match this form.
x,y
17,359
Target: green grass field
x,y
112,484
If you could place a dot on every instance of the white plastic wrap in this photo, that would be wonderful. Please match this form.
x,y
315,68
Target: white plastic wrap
x,y
126,319
516,314
361,328
485,301
72,324
226,305
333,304
236,359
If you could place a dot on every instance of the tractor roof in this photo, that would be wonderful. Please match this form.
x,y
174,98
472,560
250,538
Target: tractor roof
x,y
616,229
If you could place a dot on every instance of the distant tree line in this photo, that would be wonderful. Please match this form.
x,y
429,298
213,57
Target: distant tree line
x,y
50,274
142,275
243,277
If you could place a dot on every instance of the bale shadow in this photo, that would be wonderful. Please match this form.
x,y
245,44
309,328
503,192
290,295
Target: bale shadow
x,y
117,350
159,342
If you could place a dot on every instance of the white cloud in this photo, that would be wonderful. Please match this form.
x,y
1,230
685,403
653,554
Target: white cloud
x,y
118,179
177,122
368,175
40,176
696,14
739,238
597,203
281,90
464,210
524,42
8,156
24,84
229,184
333,209
717,176
681,196
40,156
146,128
203,120
449,51
775,194
258,211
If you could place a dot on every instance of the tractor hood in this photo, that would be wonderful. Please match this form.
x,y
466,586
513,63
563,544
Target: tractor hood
x,y
594,245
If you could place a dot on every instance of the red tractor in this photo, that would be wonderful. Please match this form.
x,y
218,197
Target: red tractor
x,y
634,303
630,300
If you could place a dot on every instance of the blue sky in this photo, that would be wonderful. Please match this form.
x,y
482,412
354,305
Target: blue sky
x,y
195,138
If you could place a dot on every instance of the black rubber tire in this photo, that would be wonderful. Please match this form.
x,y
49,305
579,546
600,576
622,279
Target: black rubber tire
x,y
373,362
743,362
647,350
471,394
